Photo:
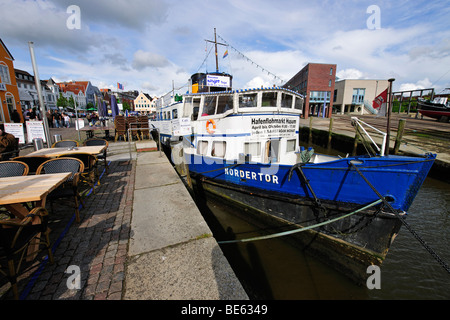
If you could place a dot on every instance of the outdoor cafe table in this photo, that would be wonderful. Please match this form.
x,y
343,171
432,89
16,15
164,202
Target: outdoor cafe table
x,y
14,191
56,152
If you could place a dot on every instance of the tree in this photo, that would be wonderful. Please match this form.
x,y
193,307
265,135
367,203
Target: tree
x,y
62,101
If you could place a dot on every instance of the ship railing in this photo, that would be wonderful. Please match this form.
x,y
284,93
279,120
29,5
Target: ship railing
x,y
357,123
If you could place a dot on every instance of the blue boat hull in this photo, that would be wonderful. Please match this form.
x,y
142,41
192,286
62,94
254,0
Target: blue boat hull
x,y
351,244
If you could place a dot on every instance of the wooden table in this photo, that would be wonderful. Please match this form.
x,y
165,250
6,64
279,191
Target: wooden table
x,y
14,191
56,152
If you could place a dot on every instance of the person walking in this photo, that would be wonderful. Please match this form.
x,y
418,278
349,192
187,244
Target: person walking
x,y
15,117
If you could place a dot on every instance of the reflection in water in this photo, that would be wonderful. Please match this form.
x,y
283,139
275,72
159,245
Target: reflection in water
x,y
275,269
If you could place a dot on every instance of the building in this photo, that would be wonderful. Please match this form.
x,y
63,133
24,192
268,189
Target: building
x,y
89,95
28,93
316,83
356,96
143,104
9,94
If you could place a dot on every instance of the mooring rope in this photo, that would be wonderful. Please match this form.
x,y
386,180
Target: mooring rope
x,y
285,233
407,226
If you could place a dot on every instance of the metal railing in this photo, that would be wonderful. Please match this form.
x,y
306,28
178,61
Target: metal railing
x,y
359,123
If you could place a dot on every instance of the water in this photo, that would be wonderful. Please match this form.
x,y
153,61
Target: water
x,y
274,269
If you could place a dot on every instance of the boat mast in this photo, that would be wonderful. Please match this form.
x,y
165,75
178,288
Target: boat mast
x,y
215,44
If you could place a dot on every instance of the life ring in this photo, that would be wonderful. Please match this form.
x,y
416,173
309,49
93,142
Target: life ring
x,y
208,123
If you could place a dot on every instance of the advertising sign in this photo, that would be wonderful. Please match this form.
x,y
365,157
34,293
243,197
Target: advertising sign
x,y
217,81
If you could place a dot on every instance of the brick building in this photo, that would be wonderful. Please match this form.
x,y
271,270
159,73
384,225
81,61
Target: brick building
x,y
316,82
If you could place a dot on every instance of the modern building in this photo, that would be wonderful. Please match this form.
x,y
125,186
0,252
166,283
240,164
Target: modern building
x,y
9,94
143,104
316,83
356,96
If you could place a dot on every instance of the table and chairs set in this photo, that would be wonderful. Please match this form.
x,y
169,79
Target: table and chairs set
x,y
28,182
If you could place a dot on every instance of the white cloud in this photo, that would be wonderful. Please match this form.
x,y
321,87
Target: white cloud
x,y
350,73
421,84
142,60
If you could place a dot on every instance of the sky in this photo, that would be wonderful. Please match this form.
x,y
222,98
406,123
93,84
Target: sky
x,y
154,45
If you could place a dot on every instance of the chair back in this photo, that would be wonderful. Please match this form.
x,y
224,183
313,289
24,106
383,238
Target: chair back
x,y
33,162
13,169
87,159
65,143
58,165
143,124
97,142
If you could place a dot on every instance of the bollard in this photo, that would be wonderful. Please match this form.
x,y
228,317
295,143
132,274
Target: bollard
x,y
38,144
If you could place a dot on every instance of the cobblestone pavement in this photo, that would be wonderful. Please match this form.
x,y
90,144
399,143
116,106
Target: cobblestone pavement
x,y
97,246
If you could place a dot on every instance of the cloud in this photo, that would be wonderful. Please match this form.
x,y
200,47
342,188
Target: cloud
x,y
421,84
142,60
350,73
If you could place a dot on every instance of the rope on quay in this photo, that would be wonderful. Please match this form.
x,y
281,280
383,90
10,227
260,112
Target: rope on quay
x,y
285,233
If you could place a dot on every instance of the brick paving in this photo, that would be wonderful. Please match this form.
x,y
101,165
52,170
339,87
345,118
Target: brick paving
x,y
97,245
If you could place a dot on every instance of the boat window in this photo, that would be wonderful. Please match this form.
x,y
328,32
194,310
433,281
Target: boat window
x,y
286,100
253,148
298,103
224,103
290,145
175,114
269,99
202,147
210,106
187,110
219,148
196,105
248,100
272,150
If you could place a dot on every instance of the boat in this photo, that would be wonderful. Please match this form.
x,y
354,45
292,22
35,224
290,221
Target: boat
x,y
438,109
243,146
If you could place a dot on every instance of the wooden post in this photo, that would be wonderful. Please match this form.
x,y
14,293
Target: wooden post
x,y
389,109
355,143
398,139
330,132
310,130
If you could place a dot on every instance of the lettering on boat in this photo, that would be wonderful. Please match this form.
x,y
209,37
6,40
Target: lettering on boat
x,y
251,175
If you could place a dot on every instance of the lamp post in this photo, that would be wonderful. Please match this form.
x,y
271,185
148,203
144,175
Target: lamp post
x,y
389,108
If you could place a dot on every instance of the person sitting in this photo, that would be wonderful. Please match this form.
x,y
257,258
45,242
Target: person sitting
x,y
8,143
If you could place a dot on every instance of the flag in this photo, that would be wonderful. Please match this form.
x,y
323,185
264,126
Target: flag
x,y
225,54
380,102
119,86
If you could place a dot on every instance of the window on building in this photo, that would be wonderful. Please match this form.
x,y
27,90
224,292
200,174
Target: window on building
x,y
4,74
358,96
10,103
329,83
331,71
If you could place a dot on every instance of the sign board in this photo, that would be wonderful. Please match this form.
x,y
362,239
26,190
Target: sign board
x,y
79,124
35,129
16,129
274,126
181,127
217,81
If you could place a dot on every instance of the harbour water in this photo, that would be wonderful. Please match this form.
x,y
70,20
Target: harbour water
x,y
276,269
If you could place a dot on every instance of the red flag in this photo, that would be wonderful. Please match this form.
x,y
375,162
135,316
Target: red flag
x,y
380,99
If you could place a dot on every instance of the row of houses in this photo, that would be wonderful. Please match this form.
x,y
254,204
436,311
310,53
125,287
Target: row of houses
x,y
18,92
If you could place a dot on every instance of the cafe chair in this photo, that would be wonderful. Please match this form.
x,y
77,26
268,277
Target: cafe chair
x,y
90,172
33,162
65,144
101,157
16,236
13,168
132,123
69,189
144,127
120,127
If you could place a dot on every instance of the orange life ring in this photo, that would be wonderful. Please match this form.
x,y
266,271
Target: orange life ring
x,y
208,123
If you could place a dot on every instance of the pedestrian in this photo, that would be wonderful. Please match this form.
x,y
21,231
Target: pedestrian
x,y
66,120
15,117
32,114
59,119
50,118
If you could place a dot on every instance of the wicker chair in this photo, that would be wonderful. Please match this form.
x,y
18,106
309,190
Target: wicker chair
x,y
13,168
120,128
90,171
33,162
70,187
65,143
15,239
101,157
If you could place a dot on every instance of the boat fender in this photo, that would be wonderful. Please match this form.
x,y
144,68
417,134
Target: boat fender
x,y
208,124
